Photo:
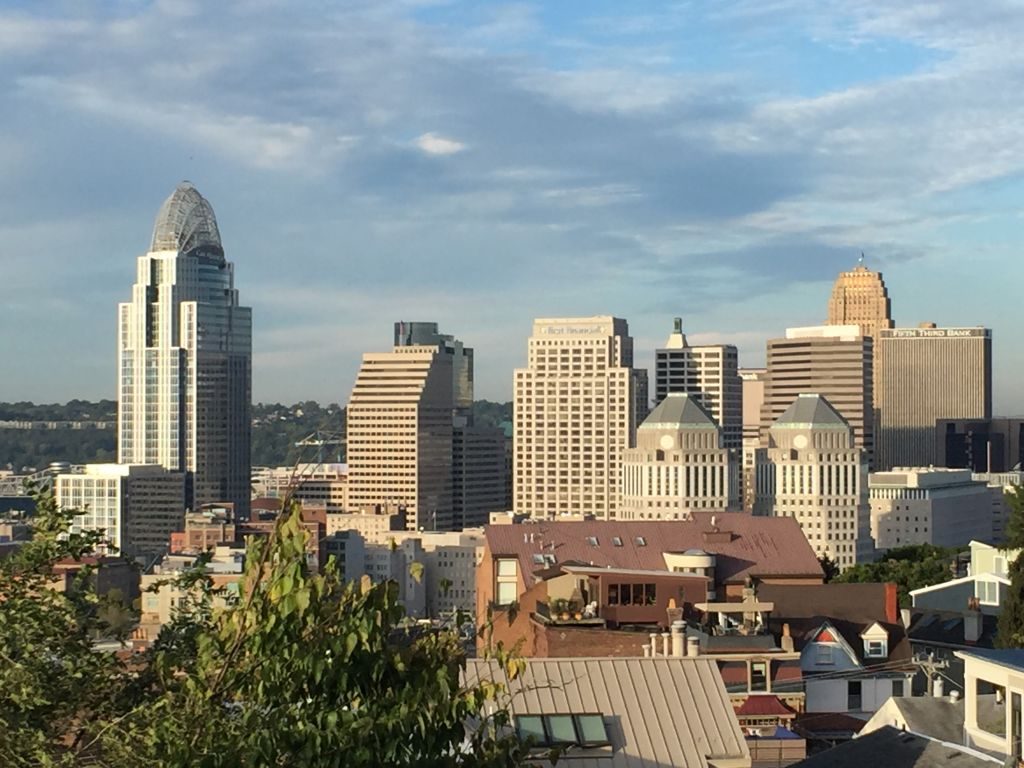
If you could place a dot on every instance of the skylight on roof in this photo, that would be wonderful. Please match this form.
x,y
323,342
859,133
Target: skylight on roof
x,y
587,730
592,541
640,541
617,541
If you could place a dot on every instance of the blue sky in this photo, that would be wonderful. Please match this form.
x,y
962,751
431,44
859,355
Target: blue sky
x,y
482,164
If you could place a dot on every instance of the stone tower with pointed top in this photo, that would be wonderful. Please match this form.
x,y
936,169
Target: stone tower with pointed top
x,y
185,358
859,297
813,470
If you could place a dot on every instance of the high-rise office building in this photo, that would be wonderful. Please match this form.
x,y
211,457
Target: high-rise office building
x,y
753,380
426,334
926,374
577,405
831,360
479,474
813,470
680,463
399,435
185,358
137,507
988,445
710,373
859,297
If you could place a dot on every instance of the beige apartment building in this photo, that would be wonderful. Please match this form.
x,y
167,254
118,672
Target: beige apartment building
x,y
314,485
812,470
577,406
710,373
928,505
860,297
680,463
835,361
753,380
926,374
138,506
400,435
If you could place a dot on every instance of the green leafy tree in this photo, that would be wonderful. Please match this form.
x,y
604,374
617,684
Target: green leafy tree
x,y
1010,633
829,567
300,670
910,568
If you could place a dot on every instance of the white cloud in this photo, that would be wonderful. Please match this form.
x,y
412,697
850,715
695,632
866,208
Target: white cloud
x,y
433,144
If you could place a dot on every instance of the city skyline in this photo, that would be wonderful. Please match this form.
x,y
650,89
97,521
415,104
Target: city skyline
x,y
610,174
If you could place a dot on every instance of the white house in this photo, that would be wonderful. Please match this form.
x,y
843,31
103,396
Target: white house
x,y
994,690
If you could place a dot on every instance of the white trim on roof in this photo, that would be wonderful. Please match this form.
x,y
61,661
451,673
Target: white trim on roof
x,y
962,580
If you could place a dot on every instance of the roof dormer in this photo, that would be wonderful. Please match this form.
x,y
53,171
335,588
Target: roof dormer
x,y
876,642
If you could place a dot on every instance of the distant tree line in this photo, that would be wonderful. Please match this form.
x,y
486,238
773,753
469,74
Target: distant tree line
x,y
276,430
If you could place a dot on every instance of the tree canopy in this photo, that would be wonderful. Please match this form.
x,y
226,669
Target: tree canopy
x,y
300,669
1010,632
910,568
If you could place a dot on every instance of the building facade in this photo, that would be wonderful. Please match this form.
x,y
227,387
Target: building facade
x,y
577,405
400,435
753,380
479,474
813,471
679,464
859,297
925,505
709,373
138,506
313,485
185,358
926,374
410,334
833,361
992,445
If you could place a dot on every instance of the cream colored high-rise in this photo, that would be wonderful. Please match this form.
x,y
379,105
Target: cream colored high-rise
x,y
926,374
859,297
831,360
577,405
400,435
813,471
680,463
753,380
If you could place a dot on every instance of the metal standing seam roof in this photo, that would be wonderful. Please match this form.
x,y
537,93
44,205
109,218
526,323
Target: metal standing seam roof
x,y
658,711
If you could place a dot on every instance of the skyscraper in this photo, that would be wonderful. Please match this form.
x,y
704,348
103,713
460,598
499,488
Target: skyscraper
x,y
753,399
577,405
926,374
185,358
859,297
710,373
680,464
399,435
419,333
831,360
811,469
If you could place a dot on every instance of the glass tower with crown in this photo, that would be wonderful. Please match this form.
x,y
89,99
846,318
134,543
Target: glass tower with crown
x,y
185,358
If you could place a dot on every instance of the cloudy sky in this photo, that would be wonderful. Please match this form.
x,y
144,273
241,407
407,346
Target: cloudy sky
x,y
481,164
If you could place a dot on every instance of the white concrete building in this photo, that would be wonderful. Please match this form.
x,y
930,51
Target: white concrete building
x,y
185,358
138,506
314,485
813,471
928,505
679,464
577,405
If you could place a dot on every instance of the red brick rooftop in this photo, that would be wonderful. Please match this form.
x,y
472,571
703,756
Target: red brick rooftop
x,y
744,545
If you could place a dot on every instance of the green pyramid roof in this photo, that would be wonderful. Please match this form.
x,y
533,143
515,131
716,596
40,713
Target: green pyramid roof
x,y
811,411
679,411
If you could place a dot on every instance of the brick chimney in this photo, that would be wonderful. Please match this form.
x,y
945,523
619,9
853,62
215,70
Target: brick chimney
x,y
892,603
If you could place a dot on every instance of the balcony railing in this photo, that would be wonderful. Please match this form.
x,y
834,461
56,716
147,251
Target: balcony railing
x,y
568,614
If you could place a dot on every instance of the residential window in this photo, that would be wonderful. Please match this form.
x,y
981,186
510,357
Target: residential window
x,y
759,676
506,587
823,655
987,592
632,594
875,648
853,695
897,688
